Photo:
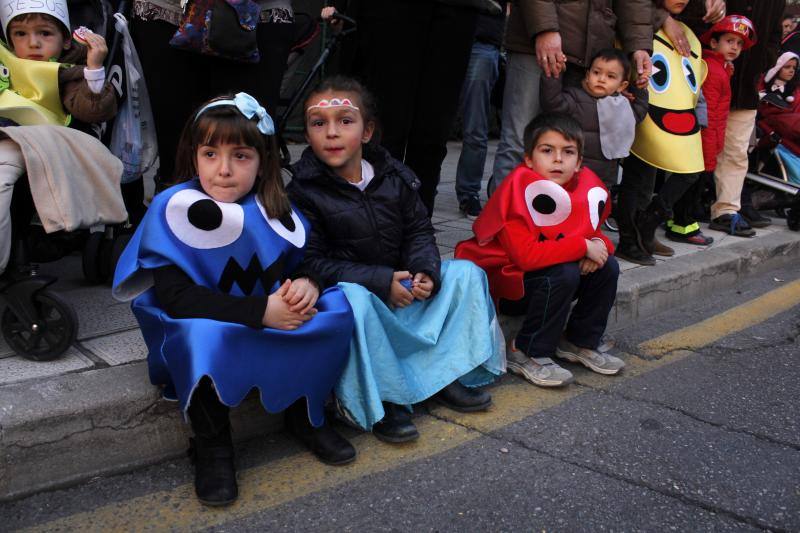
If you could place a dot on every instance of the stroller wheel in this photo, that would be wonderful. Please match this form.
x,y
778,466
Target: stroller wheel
x,y
611,225
91,257
54,330
104,265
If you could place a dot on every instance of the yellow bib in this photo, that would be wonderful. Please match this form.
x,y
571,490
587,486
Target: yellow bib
x,y
29,92
669,136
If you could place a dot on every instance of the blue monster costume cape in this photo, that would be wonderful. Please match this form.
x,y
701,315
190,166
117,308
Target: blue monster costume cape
x,y
234,248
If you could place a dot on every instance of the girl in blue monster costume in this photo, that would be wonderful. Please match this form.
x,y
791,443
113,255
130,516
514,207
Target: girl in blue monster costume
x,y
222,304
423,328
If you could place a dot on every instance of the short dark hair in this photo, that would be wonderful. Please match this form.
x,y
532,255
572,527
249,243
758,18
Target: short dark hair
x,y
558,122
614,54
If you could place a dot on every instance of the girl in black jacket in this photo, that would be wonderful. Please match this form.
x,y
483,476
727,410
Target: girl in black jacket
x,y
420,325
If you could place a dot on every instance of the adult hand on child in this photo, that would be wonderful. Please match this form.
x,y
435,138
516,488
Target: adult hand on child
x,y
279,316
644,66
399,296
422,286
715,11
596,251
97,50
677,36
301,296
587,266
549,54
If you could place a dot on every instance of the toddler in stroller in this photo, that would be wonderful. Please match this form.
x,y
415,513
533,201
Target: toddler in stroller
x,y
775,162
43,86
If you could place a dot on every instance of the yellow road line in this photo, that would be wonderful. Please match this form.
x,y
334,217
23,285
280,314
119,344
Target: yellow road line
x,y
736,319
292,477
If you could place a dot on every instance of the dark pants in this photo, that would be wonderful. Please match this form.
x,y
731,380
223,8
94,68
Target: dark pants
x,y
179,81
549,293
208,415
413,56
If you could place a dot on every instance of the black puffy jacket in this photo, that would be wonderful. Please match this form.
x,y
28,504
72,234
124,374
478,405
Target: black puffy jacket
x,y
364,237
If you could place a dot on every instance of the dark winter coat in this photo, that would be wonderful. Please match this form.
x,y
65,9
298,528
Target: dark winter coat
x,y
586,26
364,237
582,106
751,64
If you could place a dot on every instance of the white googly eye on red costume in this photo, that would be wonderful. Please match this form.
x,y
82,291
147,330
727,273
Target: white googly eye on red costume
x,y
598,197
201,222
547,202
289,227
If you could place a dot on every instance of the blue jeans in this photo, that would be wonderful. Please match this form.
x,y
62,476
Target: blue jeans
x,y
520,106
481,77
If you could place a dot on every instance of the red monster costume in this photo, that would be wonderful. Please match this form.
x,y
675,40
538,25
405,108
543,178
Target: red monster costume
x,y
531,223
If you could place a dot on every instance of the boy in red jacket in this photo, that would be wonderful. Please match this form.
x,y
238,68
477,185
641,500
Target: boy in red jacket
x,y
539,241
726,40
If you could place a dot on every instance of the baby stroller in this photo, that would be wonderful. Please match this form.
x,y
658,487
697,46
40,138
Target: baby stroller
x,y
37,322
775,172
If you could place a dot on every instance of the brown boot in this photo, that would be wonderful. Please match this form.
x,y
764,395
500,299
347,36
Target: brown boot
x,y
657,247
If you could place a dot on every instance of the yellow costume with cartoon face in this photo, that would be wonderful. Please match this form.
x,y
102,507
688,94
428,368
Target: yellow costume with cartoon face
x,y
669,136
29,92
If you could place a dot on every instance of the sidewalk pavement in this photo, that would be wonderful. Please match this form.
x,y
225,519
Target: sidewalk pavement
x,y
93,411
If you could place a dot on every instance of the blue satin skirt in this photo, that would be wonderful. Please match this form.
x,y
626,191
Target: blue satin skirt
x,y
406,355
283,365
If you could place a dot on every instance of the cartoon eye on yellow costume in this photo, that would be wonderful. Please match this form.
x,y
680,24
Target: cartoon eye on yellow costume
x,y
669,136
29,92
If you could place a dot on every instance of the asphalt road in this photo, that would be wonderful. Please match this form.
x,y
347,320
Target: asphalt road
x,y
704,438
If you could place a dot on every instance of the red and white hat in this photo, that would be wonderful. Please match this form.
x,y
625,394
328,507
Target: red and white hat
x,y
737,24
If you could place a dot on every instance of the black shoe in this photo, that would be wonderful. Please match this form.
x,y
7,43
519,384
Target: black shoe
x,y
632,253
733,225
396,425
463,399
753,217
324,442
214,473
471,207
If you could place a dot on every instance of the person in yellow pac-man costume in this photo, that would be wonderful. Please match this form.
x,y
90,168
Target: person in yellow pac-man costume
x,y
32,96
669,137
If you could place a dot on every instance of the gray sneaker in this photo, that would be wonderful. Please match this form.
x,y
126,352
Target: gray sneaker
x,y
541,371
602,363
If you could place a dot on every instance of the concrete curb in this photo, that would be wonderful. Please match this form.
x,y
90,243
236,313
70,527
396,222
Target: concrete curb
x,y
59,431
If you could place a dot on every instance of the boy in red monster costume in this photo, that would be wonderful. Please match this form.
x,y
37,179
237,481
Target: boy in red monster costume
x,y
539,241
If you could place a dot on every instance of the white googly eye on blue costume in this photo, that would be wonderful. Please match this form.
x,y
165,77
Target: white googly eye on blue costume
x,y
598,197
289,227
201,222
547,202
688,73
660,76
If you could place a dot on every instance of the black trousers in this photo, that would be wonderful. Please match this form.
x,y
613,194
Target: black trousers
x,y
179,81
638,184
413,56
549,293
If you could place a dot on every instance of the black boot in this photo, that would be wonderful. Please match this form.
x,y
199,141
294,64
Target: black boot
x,y
647,222
463,399
629,248
211,449
396,425
324,442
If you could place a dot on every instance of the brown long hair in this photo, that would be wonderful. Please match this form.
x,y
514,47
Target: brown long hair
x,y
226,124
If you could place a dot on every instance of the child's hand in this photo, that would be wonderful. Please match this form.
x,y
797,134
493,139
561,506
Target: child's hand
x,y
587,266
596,251
327,16
279,316
399,296
301,296
97,50
422,286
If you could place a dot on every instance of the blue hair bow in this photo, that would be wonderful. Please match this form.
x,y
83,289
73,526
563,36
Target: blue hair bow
x,y
247,106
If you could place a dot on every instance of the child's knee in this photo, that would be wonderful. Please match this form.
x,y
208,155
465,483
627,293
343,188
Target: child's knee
x,y
566,275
